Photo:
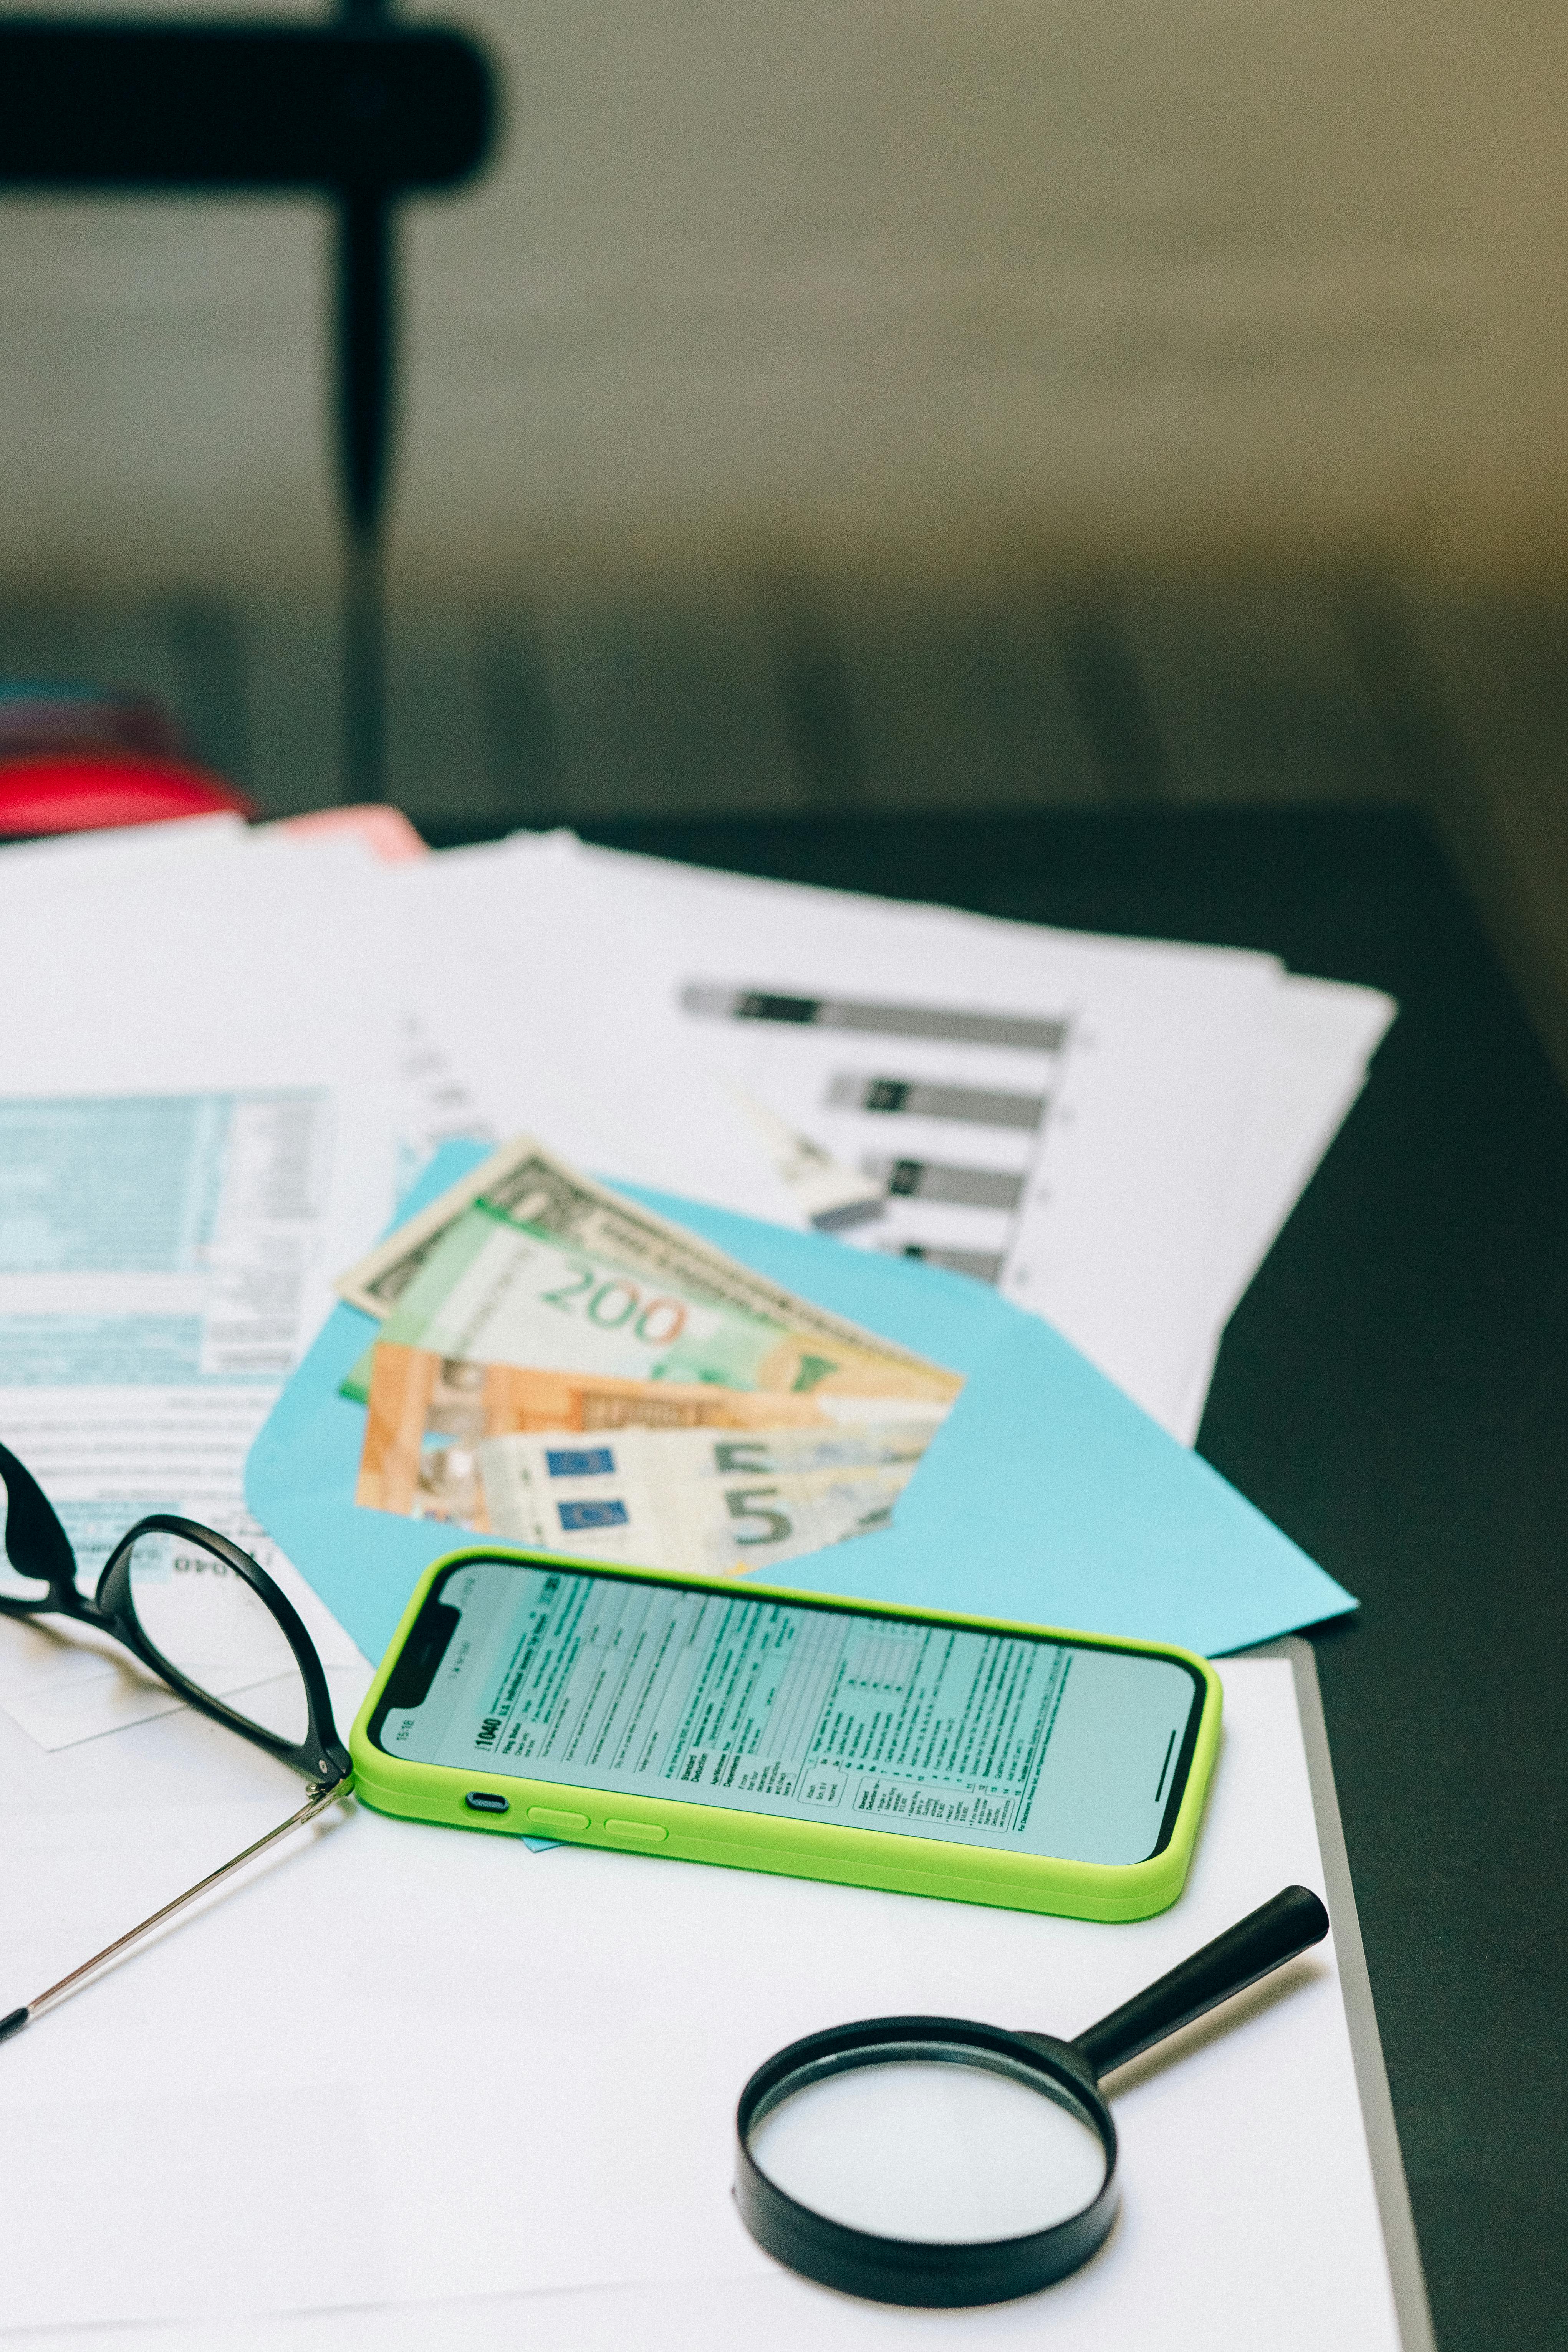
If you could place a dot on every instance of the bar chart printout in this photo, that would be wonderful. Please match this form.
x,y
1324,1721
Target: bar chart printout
x,y
946,1107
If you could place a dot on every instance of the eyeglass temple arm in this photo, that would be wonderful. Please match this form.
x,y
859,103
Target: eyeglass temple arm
x,y
1254,1948
34,1539
318,1800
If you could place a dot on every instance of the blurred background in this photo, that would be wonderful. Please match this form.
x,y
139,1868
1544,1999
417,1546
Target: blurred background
x,y
889,404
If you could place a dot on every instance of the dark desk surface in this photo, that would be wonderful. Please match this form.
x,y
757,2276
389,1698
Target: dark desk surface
x,y
1393,1392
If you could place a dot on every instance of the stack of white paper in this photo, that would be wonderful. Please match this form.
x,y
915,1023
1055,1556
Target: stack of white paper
x,y
1112,1130
227,1051
250,1041
389,2070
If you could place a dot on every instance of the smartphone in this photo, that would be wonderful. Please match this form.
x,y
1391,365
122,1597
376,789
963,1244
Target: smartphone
x,y
713,1721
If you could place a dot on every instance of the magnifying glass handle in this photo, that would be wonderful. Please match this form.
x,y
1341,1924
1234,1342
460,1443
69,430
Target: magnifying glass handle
x,y
1254,1948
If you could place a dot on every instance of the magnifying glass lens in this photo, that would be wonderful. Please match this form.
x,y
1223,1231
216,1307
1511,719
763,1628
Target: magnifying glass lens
x,y
932,2150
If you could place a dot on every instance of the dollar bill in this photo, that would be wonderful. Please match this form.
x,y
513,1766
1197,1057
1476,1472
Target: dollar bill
x,y
375,1282
619,1271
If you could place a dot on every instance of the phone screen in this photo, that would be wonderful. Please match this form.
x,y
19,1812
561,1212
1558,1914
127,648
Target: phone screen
x,y
807,1713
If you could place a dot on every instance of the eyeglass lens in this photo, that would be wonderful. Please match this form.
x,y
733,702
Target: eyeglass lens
x,y
200,1614
935,2152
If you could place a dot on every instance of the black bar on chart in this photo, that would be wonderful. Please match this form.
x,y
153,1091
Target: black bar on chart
x,y
932,1180
983,1265
975,1106
1023,1032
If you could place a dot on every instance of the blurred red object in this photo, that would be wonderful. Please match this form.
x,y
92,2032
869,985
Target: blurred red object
x,y
80,790
74,758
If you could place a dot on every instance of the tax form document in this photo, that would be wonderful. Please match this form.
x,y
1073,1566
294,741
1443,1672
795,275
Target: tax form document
x,y
196,1113
155,1256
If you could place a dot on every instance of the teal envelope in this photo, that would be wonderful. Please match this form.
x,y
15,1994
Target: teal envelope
x,y
1046,1496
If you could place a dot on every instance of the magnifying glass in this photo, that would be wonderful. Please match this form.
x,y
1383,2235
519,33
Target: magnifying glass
x,y
937,2162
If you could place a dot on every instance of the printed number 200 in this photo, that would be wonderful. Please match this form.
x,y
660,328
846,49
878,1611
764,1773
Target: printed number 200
x,y
614,1303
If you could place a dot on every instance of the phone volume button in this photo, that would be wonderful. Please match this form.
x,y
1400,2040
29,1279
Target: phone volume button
x,y
548,1819
637,1833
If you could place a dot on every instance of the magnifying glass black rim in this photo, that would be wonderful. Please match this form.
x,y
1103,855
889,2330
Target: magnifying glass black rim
x,y
944,2275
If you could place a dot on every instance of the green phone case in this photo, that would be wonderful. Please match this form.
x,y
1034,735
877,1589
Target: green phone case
x,y
746,1840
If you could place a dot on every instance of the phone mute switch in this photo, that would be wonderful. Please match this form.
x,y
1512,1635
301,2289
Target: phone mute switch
x,y
549,1819
637,1833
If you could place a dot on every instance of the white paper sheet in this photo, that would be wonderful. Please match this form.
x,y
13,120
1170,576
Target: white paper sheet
x,y
232,972
1186,1092
510,2084
1116,1177
197,1106
1320,1037
120,851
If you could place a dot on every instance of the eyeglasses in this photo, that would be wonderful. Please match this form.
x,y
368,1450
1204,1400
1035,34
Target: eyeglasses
x,y
206,1618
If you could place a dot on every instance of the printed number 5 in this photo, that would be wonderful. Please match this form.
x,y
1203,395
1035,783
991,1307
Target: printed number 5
x,y
742,1504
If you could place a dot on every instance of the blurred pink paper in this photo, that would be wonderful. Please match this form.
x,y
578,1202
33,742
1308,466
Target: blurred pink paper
x,y
386,832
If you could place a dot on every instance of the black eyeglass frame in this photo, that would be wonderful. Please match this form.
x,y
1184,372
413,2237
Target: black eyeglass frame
x,y
34,1534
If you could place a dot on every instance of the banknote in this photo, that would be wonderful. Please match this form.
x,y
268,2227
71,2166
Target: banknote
x,y
428,1415
496,1292
692,1499
718,1497
638,1284
375,1282
530,1305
